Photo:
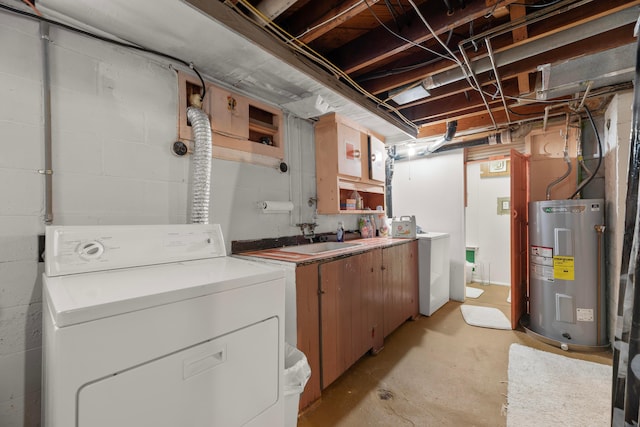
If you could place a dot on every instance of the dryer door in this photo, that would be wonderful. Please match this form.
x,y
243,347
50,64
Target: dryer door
x,y
225,381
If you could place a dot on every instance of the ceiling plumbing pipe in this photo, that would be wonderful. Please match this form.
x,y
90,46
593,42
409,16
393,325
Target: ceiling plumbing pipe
x,y
567,159
537,46
478,85
586,182
388,166
448,136
201,128
495,71
46,102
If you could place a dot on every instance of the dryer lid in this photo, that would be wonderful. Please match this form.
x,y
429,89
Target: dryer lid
x,y
79,298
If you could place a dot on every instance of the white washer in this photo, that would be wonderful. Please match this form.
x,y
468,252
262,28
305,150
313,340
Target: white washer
x,y
433,267
156,326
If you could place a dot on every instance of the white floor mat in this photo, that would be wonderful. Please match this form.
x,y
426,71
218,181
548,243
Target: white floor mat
x,y
547,389
484,317
472,292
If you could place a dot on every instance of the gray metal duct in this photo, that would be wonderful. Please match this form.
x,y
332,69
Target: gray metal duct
x,y
606,68
539,46
201,128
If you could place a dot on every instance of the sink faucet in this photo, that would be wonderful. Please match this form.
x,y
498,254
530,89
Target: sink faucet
x,y
308,226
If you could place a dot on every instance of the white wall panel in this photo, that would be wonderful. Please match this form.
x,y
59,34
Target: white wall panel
x,y
432,189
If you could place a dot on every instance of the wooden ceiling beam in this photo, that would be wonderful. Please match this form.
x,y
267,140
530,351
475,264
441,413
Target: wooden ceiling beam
x,y
379,44
308,31
541,29
518,11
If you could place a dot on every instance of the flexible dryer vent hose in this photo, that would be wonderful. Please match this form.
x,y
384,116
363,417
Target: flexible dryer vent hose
x,y
201,128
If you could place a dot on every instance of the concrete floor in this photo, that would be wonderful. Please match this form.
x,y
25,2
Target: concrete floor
x,y
434,371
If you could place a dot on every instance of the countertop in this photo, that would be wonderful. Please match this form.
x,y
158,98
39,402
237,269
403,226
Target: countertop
x,y
363,245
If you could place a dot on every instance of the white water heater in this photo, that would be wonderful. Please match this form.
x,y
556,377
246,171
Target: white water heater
x,y
566,271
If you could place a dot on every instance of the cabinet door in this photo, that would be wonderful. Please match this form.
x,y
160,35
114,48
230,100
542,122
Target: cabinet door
x,y
335,307
230,114
410,280
392,265
400,284
372,330
308,328
377,158
349,151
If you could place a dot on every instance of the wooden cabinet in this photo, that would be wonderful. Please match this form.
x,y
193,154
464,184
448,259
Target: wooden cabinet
x,y
349,151
243,129
377,159
348,157
339,282
230,113
350,311
347,306
400,284
308,328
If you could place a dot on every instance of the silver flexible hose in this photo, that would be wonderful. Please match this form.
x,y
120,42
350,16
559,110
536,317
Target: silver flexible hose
x,y
201,128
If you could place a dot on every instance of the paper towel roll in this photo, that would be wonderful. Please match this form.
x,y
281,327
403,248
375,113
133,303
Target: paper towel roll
x,y
269,206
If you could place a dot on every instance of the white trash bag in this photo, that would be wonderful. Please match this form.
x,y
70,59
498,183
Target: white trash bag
x,y
296,370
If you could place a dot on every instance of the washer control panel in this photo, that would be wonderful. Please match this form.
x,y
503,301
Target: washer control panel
x,y
81,249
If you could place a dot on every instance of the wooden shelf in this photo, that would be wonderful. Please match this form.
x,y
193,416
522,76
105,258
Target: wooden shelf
x,y
262,126
243,129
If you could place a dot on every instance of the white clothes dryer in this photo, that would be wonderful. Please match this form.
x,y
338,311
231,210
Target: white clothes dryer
x,y
155,326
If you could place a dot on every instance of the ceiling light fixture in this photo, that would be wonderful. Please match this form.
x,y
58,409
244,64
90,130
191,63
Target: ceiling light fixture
x,y
407,94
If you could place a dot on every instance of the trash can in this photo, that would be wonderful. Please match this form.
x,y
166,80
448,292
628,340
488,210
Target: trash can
x,y
296,374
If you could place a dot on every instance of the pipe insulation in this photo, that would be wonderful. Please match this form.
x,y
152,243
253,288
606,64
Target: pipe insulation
x,y
201,189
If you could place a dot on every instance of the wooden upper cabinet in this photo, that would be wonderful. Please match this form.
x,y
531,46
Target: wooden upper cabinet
x,y
242,129
343,165
230,113
350,152
376,159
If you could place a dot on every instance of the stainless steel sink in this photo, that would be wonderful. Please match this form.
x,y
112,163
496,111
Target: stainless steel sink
x,y
317,248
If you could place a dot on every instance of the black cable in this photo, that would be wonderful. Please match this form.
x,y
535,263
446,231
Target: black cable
x,y
537,6
106,39
595,172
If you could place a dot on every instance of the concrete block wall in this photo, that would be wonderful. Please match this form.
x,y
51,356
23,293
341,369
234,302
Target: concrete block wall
x,y
114,115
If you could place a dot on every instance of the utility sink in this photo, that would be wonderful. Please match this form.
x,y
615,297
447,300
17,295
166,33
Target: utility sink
x,y
318,248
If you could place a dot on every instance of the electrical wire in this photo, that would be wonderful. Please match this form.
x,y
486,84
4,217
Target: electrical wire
x,y
595,172
393,13
333,18
536,6
404,39
108,40
492,11
433,33
284,36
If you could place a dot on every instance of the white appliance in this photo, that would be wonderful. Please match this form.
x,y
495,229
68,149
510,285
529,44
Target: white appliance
x,y
433,267
156,326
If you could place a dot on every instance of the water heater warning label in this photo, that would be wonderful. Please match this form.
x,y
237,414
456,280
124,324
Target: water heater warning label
x,y
563,267
542,263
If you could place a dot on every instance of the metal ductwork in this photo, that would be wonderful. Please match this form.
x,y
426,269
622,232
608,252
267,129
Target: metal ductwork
x,y
539,46
201,190
274,8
